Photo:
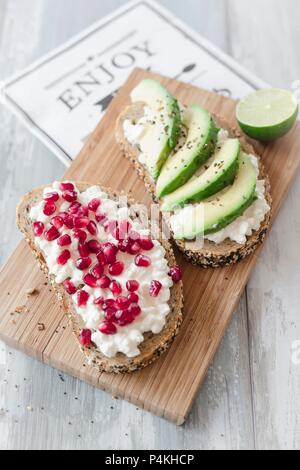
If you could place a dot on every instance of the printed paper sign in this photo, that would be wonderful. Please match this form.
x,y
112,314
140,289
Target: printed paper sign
x,y
63,96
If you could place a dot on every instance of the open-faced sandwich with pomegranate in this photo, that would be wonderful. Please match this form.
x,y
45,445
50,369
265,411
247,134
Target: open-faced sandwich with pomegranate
x,y
208,180
121,289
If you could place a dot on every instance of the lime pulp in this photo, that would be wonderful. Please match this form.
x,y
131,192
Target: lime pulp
x,y
267,114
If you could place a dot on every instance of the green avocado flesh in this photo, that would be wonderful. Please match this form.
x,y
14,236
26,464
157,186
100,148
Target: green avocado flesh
x,y
162,134
199,145
213,215
220,174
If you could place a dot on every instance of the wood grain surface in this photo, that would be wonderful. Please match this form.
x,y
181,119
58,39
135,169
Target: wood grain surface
x,y
168,387
250,398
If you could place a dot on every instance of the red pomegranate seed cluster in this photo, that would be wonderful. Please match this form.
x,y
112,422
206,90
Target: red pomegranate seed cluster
x,y
99,262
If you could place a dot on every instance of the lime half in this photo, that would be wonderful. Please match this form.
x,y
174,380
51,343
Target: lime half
x,y
267,114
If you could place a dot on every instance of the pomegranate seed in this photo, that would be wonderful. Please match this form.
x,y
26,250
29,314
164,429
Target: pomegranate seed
x,y
142,261
66,186
103,282
51,197
97,271
99,300
146,243
110,303
90,280
132,286
69,195
79,234
175,273
81,222
64,240
74,208
134,309
94,204
116,268
133,298
123,303
69,223
83,250
63,257
124,317
116,288
63,216
49,208
82,298
101,258
100,217
38,229
83,211
92,228
135,248
107,328
69,286
134,236
124,245
52,234
85,337
94,246
110,253
57,221
83,263
155,288
110,314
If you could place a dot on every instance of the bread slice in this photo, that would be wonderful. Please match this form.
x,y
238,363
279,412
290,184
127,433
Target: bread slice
x,y
153,345
211,254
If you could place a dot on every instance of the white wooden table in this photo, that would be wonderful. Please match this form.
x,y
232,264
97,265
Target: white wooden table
x,y
251,395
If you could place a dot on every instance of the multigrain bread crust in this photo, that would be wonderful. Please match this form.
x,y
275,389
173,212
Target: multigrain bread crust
x,y
211,254
153,345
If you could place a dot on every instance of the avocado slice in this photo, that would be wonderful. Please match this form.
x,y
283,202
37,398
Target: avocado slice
x,y
199,145
161,136
215,214
221,173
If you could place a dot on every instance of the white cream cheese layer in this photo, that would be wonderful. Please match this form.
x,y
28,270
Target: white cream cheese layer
x,y
154,309
134,130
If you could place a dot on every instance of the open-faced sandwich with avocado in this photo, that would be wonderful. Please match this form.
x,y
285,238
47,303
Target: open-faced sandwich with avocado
x,y
209,182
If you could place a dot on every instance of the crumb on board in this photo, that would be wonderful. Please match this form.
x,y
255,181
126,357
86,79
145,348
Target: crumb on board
x,y
32,291
29,408
20,309
41,326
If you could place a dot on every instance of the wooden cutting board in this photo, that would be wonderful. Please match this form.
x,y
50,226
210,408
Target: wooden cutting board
x,y
168,387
